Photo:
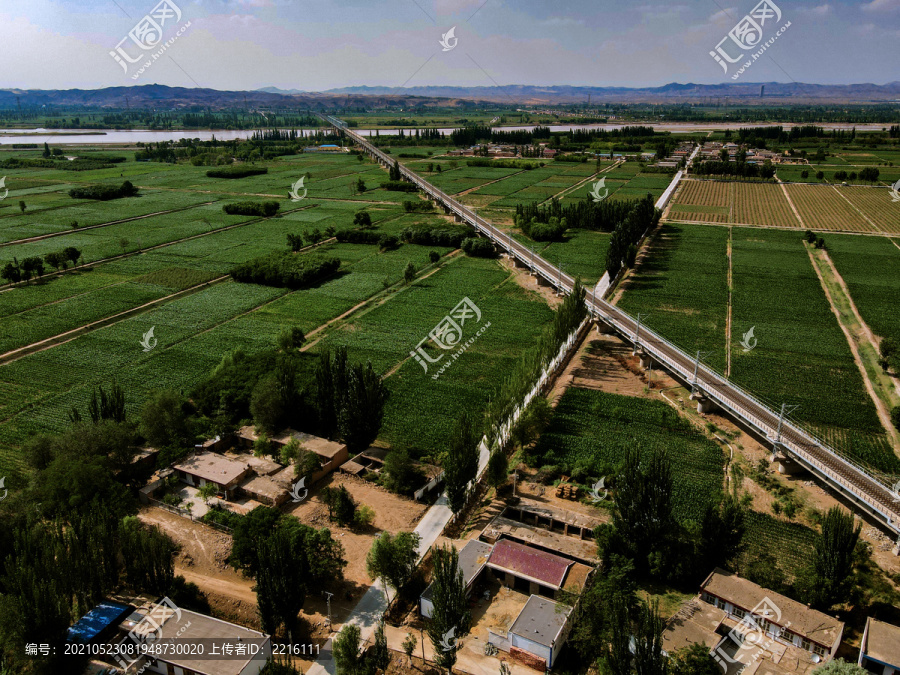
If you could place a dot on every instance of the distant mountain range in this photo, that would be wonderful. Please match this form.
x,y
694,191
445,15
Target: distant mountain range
x,y
160,96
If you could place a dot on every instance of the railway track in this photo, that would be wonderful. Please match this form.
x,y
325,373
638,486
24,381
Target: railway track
x,y
867,492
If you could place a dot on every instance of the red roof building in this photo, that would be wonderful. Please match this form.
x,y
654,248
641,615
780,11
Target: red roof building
x,y
529,564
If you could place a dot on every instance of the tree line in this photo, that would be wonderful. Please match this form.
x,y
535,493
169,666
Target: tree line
x,y
33,266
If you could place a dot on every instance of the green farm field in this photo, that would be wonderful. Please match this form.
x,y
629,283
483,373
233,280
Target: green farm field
x,y
591,430
148,259
870,266
682,287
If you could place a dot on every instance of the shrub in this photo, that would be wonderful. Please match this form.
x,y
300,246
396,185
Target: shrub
x,y
104,192
442,235
388,242
262,209
239,171
357,237
285,270
895,416
434,256
418,207
362,219
552,230
478,248
399,186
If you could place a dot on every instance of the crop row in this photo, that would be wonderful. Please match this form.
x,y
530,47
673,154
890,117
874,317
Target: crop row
x,y
777,293
870,266
681,288
591,431
762,204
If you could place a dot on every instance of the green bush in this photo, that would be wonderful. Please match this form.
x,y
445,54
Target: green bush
x,y
262,209
285,270
104,192
399,186
479,248
357,237
239,171
442,235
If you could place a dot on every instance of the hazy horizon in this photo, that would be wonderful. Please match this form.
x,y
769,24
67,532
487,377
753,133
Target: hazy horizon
x,y
252,44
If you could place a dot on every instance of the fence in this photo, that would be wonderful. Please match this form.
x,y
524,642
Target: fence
x,y
186,513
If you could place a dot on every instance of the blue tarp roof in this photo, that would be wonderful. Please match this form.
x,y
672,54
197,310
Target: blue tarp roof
x,y
97,620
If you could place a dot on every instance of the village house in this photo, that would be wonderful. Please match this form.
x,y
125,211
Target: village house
x,y
205,467
753,630
879,651
331,454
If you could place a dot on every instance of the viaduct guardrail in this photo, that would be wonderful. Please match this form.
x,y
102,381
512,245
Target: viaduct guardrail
x,y
857,485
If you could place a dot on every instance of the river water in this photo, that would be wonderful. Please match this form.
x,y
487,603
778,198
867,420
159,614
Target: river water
x,y
130,137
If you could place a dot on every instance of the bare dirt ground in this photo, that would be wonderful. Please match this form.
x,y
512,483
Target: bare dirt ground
x,y
202,560
525,280
392,514
605,363
204,552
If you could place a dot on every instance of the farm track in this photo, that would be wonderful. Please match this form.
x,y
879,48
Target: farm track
x,y
791,202
496,180
859,337
94,227
577,185
681,221
100,261
62,338
853,334
863,490
856,208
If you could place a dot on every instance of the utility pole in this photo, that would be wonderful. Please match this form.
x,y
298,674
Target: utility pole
x,y
784,411
559,278
328,600
637,333
700,355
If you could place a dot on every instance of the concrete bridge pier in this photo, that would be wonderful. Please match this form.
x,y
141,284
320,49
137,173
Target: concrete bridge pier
x,y
541,281
604,328
785,464
704,403
520,264
646,360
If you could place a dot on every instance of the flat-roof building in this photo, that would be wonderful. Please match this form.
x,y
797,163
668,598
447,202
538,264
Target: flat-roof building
x,y
209,467
539,632
472,559
879,651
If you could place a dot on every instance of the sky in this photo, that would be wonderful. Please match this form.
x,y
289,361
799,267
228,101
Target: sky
x,y
324,44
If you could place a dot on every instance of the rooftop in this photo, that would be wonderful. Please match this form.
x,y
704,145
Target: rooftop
x,y
212,467
582,549
883,642
472,558
810,623
189,625
530,563
97,620
694,623
541,620
321,446
264,486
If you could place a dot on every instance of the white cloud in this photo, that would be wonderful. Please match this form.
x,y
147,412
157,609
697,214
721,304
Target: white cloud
x,y
819,10
881,6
